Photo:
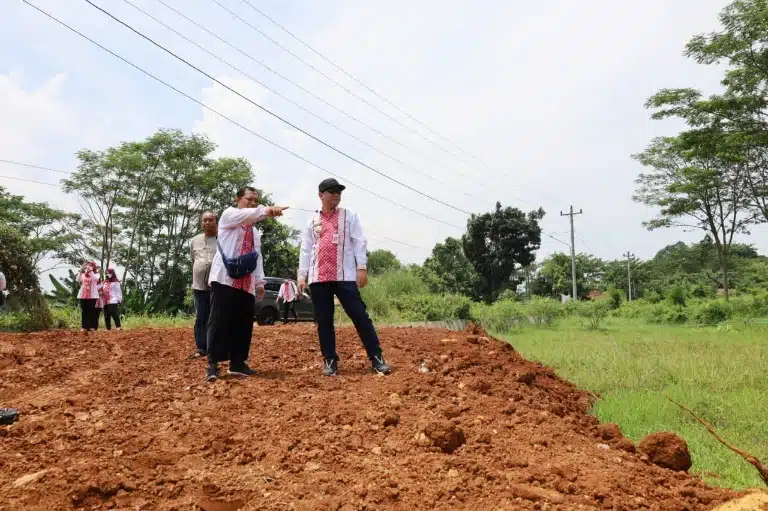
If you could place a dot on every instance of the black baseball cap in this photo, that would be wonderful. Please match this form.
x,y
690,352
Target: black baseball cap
x,y
329,185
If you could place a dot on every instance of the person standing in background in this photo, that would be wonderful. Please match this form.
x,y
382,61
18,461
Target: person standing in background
x,y
88,277
233,299
333,261
112,295
288,294
202,249
99,304
2,289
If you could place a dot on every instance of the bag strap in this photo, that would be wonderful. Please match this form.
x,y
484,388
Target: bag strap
x,y
220,249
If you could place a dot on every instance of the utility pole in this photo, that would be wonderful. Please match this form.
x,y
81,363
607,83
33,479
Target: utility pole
x,y
571,214
629,257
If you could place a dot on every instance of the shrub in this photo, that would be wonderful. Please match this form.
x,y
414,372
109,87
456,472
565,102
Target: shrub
x,y
712,312
615,297
429,307
544,311
755,305
594,312
501,316
508,294
398,283
703,291
652,296
664,313
677,295
676,315
634,309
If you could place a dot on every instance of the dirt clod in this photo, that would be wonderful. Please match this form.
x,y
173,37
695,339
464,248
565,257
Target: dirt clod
x,y
536,494
625,444
666,450
527,377
445,436
609,431
392,419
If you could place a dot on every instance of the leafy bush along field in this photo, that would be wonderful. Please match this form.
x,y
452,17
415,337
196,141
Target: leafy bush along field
x,y
401,295
720,372
69,317
507,315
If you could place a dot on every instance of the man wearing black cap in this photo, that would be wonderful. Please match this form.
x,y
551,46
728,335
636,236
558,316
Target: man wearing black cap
x,y
332,259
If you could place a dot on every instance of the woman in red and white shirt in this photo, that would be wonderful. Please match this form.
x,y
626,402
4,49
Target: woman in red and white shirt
x,y
88,277
112,295
230,325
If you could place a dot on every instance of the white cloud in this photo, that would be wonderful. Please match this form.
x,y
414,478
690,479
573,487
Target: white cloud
x,y
550,95
31,118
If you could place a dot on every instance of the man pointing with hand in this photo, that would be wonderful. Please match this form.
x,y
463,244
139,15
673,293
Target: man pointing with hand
x,y
230,326
332,259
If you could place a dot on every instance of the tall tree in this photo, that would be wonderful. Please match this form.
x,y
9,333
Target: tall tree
x,y
741,111
697,183
381,261
97,184
22,280
500,242
448,270
46,229
142,202
556,274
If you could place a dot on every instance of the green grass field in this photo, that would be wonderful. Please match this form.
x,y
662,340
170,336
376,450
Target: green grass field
x,y
721,373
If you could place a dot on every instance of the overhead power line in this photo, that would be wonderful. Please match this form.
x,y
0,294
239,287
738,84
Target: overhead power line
x,y
332,80
59,186
30,181
11,162
343,112
216,112
313,50
301,87
493,189
297,105
331,62
276,116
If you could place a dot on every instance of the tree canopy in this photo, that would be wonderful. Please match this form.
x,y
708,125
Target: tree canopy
x,y
499,243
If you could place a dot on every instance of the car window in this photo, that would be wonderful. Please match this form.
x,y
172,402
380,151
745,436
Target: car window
x,y
272,286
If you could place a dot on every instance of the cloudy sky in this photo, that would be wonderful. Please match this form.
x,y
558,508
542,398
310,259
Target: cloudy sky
x,y
528,103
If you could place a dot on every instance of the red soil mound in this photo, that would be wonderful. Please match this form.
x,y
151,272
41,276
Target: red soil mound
x,y
123,420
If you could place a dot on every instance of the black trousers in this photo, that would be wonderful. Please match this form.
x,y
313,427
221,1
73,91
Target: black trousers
x,y
112,311
352,303
292,307
202,313
230,326
89,314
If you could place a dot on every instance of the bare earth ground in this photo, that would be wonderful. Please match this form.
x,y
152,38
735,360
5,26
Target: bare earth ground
x,y
123,420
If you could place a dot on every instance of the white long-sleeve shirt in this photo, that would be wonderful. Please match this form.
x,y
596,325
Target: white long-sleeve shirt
x,y
351,248
113,294
287,291
2,282
231,234
83,279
